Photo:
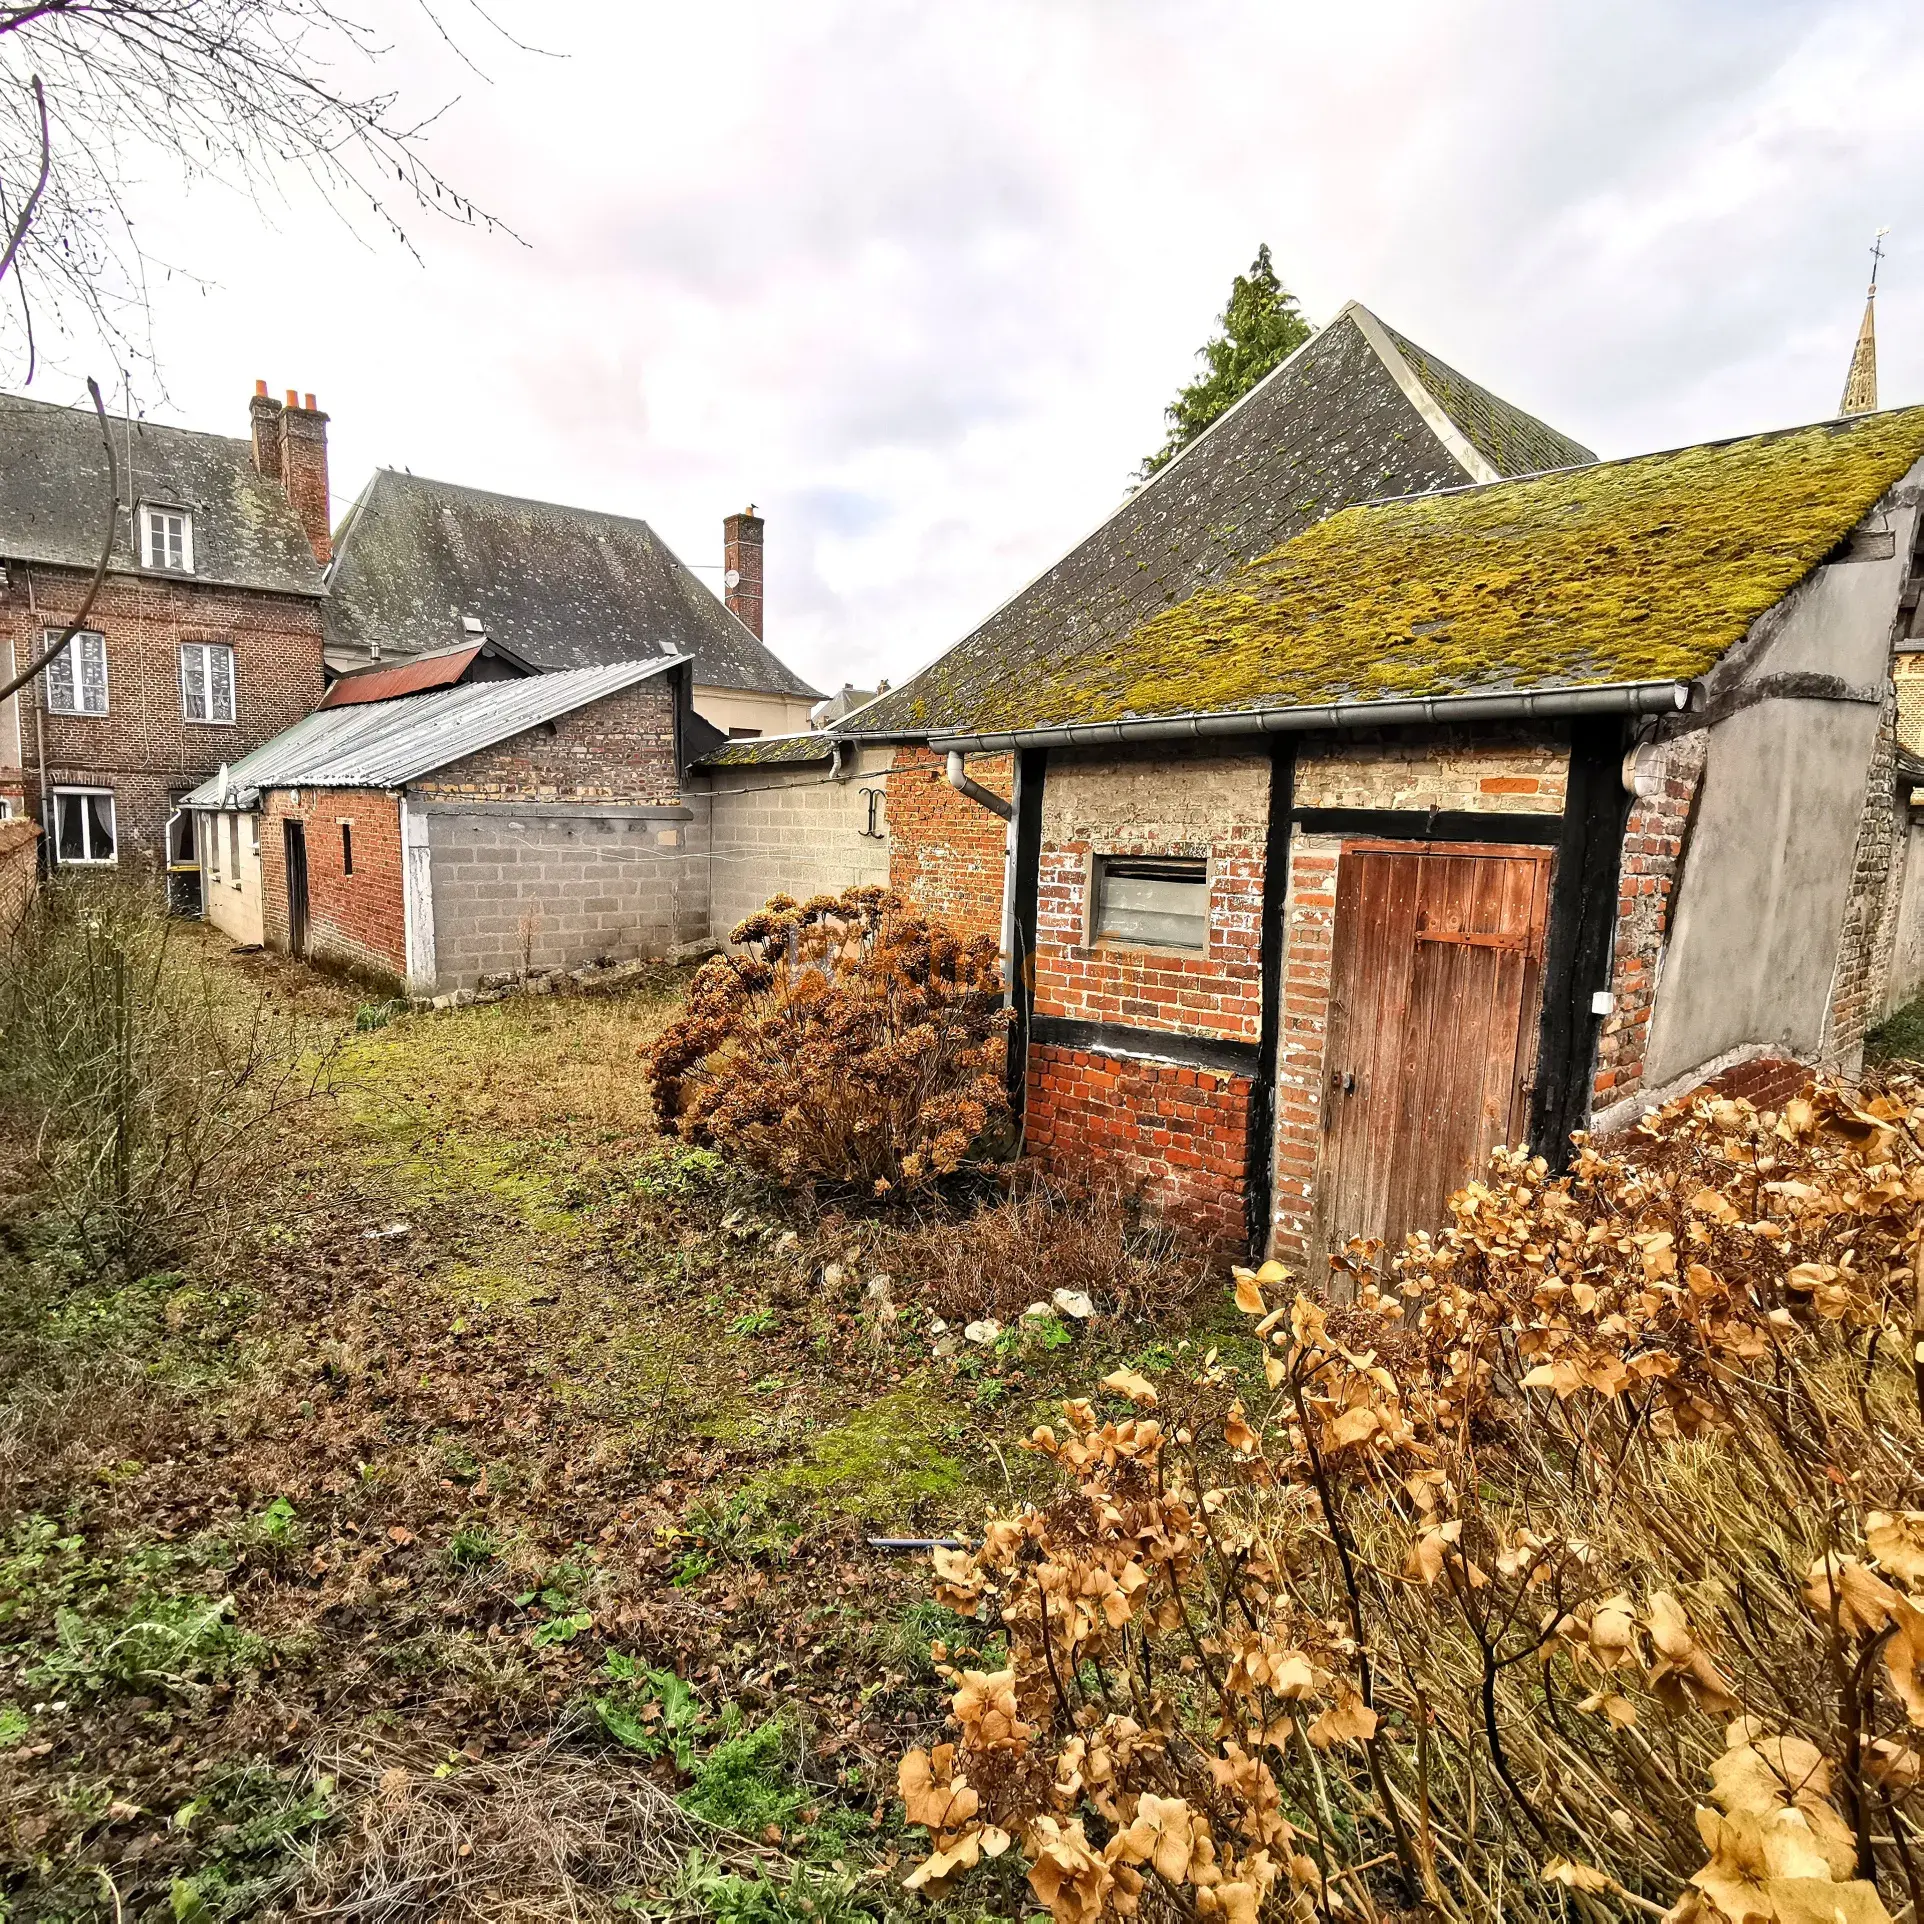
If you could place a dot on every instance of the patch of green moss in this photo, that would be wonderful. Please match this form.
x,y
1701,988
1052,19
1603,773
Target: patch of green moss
x,y
1637,570
879,1463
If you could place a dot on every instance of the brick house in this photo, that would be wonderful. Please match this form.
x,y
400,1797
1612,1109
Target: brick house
x,y
423,567
205,637
1472,815
487,827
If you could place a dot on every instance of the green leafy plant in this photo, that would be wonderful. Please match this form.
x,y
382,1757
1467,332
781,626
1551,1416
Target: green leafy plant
x,y
471,1544
553,1630
754,1322
745,1783
650,1712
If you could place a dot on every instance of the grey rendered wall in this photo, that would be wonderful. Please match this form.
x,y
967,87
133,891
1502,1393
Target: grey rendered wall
x,y
1754,950
557,885
792,831
1906,978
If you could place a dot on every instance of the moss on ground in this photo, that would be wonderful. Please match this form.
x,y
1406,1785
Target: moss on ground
x,y
1899,1037
881,1463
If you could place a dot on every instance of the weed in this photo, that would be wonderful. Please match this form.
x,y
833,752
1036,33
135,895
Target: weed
x,y
15,1726
755,1322
709,1890
649,1711
376,1015
745,1783
554,1630
249,1824
472,1544
677,1172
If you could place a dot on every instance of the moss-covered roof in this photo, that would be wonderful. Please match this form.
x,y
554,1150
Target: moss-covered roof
x,y
1637,570
761,751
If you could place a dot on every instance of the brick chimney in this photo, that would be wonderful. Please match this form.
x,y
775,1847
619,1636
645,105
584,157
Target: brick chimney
x,y
742,568
290,449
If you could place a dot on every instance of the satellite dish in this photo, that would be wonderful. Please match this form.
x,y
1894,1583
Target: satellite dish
x,y
732,579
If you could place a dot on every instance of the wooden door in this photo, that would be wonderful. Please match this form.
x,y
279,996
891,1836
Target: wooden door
x,y
1435,986
294,842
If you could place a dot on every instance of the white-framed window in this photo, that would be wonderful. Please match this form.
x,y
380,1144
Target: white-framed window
x,y
166,537
76,678
1154,901
233,850
83,826
207,681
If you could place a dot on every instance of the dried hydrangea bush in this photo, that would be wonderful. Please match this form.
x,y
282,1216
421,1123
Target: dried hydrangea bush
x,y
1575,1566
850,1044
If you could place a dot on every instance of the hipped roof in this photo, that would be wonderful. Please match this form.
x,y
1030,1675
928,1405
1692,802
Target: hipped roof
x,y
1630,571
388,744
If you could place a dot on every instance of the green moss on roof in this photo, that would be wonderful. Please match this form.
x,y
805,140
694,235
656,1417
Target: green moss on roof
x,y
761,750
1636,570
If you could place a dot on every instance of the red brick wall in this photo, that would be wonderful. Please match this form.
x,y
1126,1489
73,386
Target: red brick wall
x,y
19,872
1218,992
1308,937
353,921
1653,847
144,748
947,853
621,749
1180,1136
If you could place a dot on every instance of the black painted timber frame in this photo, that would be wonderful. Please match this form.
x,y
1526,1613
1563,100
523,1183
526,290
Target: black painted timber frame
x,y
1261,1175
1583,914
1031,771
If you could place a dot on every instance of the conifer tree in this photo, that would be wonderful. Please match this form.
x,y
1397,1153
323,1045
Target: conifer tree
x,y
1261,326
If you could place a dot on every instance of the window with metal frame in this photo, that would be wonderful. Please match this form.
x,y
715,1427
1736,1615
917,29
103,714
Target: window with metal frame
x,y
166,537
83,826
76,678
1151,901
207,681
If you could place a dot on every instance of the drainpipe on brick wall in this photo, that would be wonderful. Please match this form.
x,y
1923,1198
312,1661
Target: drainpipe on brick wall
x,y
984,797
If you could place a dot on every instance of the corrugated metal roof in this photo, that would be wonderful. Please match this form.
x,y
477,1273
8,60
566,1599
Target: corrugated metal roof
x,y
384,744
405,678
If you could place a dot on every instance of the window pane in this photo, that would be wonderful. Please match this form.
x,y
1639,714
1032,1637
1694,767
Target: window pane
x,y
233,849
60,684
1166,903
193,681
220,697
70,827
92,664
100,828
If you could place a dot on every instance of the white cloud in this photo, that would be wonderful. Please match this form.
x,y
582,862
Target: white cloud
x,y
918,280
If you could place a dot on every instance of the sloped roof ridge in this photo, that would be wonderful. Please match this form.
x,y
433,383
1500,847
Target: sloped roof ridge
x,y
384,744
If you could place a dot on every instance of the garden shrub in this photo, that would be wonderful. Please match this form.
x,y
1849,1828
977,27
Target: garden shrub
x,y
1574,1567
852,1045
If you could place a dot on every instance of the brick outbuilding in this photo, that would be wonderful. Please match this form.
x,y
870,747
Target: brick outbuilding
x,y
488,828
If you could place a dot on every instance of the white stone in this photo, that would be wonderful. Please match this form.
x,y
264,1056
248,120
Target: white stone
x,y
1036,1310
1075,1303
937,1327
983,1333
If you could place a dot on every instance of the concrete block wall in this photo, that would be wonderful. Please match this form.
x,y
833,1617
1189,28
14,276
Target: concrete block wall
x,y
521,886
795,831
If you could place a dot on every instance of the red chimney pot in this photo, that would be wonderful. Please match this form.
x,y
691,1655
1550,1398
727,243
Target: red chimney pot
x,y
293,399
308,403
260,387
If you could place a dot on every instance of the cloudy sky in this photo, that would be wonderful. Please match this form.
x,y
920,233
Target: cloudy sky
x,y
918,279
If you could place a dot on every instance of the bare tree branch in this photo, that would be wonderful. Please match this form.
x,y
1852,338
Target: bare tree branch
x,y
100,567
25,220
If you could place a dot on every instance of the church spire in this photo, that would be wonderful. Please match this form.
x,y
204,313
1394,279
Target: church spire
x,y
1860,385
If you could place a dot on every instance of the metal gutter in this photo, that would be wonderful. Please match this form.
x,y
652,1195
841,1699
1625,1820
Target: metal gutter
x,y
1614,698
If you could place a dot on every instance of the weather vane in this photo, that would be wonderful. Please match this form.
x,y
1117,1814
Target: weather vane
x,y
1877,255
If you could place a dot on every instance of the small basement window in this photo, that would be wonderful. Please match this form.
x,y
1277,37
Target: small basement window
x,y
347,848
1162,901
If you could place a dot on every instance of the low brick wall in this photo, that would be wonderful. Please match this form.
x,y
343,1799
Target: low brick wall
x,y
1179,1137
19,871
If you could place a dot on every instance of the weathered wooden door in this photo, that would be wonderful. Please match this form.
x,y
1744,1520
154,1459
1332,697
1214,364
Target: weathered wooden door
x,y
294,845
1435,986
